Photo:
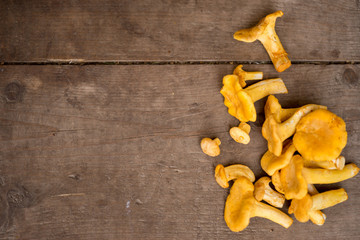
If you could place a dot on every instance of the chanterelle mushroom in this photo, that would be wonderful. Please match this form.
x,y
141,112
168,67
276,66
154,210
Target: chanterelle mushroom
x,y
263,191
244,76
271,163
225,174
320,136
303,208
264,31
276,132
241,101
241,205
295,177
241,133
292,181
210,147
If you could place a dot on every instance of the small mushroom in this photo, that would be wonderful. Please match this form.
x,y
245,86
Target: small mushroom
x,y
263,191
225,174
270,163
276,132
240,102
337,163
244,76
264,31
320,136
241,133
241,205
210,147
303,208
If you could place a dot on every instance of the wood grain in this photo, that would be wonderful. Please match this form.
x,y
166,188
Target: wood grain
x,y
112,152
187,30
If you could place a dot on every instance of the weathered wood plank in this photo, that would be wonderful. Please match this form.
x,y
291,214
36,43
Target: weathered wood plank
x,y
158,30
112,152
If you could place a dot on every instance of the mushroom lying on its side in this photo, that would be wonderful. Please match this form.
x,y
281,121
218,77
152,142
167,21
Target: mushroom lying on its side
x,y
240,102
225,174
241,205
264,31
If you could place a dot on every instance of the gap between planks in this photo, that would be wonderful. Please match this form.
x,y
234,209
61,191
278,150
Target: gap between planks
x,y
83,62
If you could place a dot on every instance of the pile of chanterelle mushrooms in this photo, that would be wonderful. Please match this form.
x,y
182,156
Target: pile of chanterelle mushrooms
x,y
316,134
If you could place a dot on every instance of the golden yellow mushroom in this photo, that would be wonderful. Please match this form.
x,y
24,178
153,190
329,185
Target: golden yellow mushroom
x,y
241,133
264,31
241,205
303,208
210,147
244,76
320,136
240,102
276,132
225,174
263,191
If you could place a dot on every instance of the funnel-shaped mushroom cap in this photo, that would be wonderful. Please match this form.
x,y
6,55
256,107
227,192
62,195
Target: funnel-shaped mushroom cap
x,y
320,136
292,181
239,205
237,100
301,208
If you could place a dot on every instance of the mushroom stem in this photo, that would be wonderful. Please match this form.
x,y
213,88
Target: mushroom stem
x,y
225,174
244,76
337,163
264,31
274,198
328,199
325,176
263,191
273,214
317,217
266,87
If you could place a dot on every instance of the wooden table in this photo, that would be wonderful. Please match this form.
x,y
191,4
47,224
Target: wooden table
x,y
104,104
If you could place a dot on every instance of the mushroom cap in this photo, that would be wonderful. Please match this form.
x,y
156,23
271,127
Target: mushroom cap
x,y
240,73
239,103
275,179
271,163
220,176
301,208
320,136
210,147
240,205
292,181
239,135
260,186
272,106
271,134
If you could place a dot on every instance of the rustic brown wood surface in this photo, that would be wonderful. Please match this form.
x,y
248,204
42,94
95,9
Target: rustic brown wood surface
x,y
189,30
112,152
